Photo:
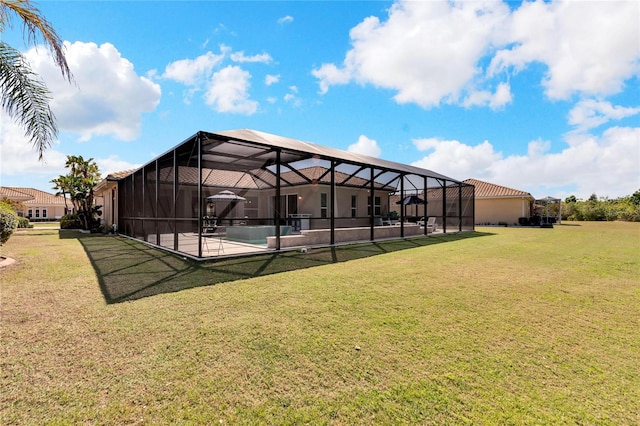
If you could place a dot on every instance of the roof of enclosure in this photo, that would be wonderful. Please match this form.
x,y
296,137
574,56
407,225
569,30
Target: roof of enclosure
x,y
256,180
217,152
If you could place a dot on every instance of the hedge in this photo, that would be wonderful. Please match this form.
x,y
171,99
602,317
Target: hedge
x,y
8,222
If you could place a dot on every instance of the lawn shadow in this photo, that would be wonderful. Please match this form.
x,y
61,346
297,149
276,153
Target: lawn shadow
x,y
129,270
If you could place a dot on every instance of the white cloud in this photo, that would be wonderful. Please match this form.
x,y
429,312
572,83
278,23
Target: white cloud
x,y
114,164
18,156
607,165
453,158
108,97
437,52
496,100
271,79
588,47
427,52
292,97
285,19
18,159
329,75
264,58
228,91
192,71
365,146
591,113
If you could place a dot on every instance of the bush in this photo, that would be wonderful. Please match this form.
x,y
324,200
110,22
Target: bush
x,y
8,222
70,221
23,222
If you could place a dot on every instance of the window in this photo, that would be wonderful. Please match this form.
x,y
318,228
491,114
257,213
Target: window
x,y
323,205
37,213
44,213
376,206
354,206
30,213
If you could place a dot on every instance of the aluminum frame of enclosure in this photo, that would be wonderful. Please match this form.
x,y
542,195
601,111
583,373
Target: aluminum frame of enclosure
x,y
293,194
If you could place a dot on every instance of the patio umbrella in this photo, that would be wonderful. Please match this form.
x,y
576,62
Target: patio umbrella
x,y
411,200
229,200
225,196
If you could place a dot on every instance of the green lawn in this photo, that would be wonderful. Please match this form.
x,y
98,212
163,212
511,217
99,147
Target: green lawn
x,y
500,326
46,224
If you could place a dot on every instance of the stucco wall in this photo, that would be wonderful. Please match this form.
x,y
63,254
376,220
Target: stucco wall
x,y
501,210
53,212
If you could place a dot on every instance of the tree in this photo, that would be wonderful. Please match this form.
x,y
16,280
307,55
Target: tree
x,y
60,184
17,206
570,199
83,176
24,97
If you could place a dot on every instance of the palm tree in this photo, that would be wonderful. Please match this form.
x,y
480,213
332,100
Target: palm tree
x,y
79,183
23,95
60,185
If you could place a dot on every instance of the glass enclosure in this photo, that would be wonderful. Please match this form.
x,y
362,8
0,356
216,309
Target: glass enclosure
x,y
244,192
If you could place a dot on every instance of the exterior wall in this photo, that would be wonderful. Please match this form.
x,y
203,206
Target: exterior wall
x,y
309,197
107,197
501,210
53,212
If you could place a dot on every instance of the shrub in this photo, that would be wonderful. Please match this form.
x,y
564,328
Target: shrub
x,y
70,221
23,222
8,222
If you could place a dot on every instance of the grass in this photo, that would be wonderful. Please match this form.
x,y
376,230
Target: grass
x,y
46,224
500,326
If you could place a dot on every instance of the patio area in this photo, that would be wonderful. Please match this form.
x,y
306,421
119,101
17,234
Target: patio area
x,y
220,245
242,192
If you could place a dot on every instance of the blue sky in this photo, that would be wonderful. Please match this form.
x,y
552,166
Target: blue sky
x,y
538,96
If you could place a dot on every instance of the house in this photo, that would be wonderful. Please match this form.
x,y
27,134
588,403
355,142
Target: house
x,y
106,195
496,204
253,191
39,206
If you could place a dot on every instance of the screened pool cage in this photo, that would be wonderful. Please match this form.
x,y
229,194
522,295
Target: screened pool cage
x,y
244,192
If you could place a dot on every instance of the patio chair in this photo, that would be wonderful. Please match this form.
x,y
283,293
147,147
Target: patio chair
x,y
214,233
431,223
209,224
211,230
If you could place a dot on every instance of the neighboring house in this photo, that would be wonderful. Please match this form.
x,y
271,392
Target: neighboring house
x,y
495,204
38,205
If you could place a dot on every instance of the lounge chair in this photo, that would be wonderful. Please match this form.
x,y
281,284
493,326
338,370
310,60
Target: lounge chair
x,y
431,223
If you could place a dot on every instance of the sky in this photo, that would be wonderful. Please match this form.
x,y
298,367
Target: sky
x,y
538,96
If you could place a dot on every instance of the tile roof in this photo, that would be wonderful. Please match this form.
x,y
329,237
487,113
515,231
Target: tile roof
x,y
30,196
119,175
490,190
14,194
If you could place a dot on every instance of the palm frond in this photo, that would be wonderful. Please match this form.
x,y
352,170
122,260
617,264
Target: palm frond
x,y
25,98
35,28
